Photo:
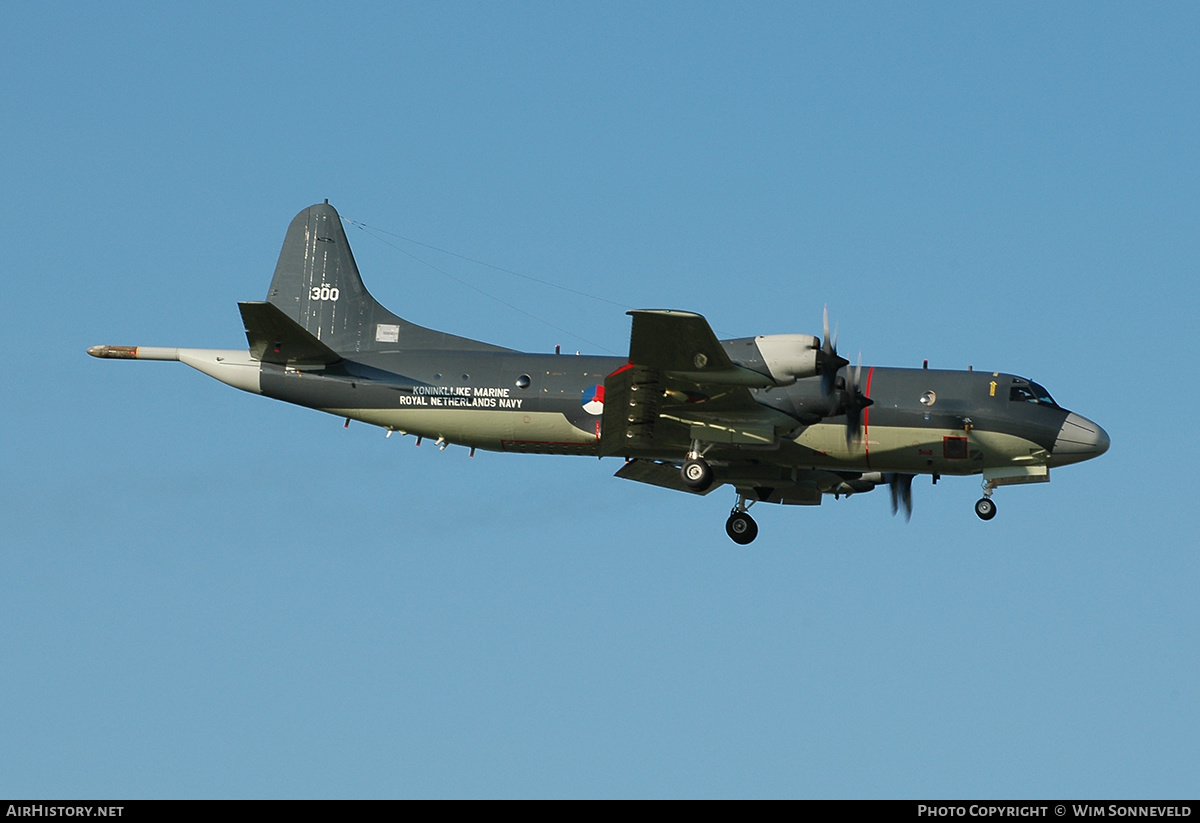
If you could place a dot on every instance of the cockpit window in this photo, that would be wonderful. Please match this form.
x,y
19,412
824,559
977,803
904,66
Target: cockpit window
x,y
1043,396
1030,392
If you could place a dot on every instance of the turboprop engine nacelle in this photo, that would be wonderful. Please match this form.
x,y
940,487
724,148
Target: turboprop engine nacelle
x,y
789,357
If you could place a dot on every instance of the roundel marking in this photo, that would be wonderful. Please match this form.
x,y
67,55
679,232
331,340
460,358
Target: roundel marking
x,y
593,400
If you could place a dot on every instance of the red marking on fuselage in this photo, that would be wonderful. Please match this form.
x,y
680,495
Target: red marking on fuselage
x,y
626,367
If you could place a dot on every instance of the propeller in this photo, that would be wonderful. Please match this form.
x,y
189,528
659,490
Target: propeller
x,y
849,400
901,485
828,359
853,403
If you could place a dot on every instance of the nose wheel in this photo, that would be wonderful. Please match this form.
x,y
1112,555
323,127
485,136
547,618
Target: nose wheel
x,y
740,526
985,509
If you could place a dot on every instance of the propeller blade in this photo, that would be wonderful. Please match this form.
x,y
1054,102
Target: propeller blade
x,y
854,402
828,376
826,345
853,425
828,360
901,487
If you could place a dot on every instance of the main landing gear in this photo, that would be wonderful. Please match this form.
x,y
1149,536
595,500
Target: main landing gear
x,y
697,474
740,526
984,507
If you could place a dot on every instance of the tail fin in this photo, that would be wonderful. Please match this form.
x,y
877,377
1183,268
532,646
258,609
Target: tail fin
x,y
317,284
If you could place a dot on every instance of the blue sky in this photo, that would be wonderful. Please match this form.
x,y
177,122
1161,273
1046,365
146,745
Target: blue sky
x,y
209,594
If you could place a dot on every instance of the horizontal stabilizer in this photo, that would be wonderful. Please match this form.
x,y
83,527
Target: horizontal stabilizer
x,y
276,338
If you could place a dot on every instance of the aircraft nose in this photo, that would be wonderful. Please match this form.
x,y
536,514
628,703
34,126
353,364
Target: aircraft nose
x,y
1080,439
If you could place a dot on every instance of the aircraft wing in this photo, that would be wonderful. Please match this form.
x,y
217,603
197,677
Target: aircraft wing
x,y
683,344
680,386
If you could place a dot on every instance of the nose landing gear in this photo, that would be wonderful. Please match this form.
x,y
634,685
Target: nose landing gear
x,y
984,507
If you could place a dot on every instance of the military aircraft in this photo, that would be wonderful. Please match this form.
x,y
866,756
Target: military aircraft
x,y
779,418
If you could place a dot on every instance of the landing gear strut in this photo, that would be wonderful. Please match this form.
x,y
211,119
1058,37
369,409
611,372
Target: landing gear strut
x,y
984,507
740,526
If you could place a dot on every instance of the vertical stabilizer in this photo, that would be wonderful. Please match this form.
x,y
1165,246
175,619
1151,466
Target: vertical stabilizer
x,y
317,284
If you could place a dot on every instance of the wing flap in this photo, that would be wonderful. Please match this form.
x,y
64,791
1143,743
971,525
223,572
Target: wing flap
x,y
633,397
657,473
759,429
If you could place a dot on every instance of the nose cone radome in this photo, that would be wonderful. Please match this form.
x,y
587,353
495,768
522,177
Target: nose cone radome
x,y
1079,439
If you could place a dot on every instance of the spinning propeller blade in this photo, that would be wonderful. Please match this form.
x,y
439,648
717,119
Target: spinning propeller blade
x,y
901,485
853,401
828,359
